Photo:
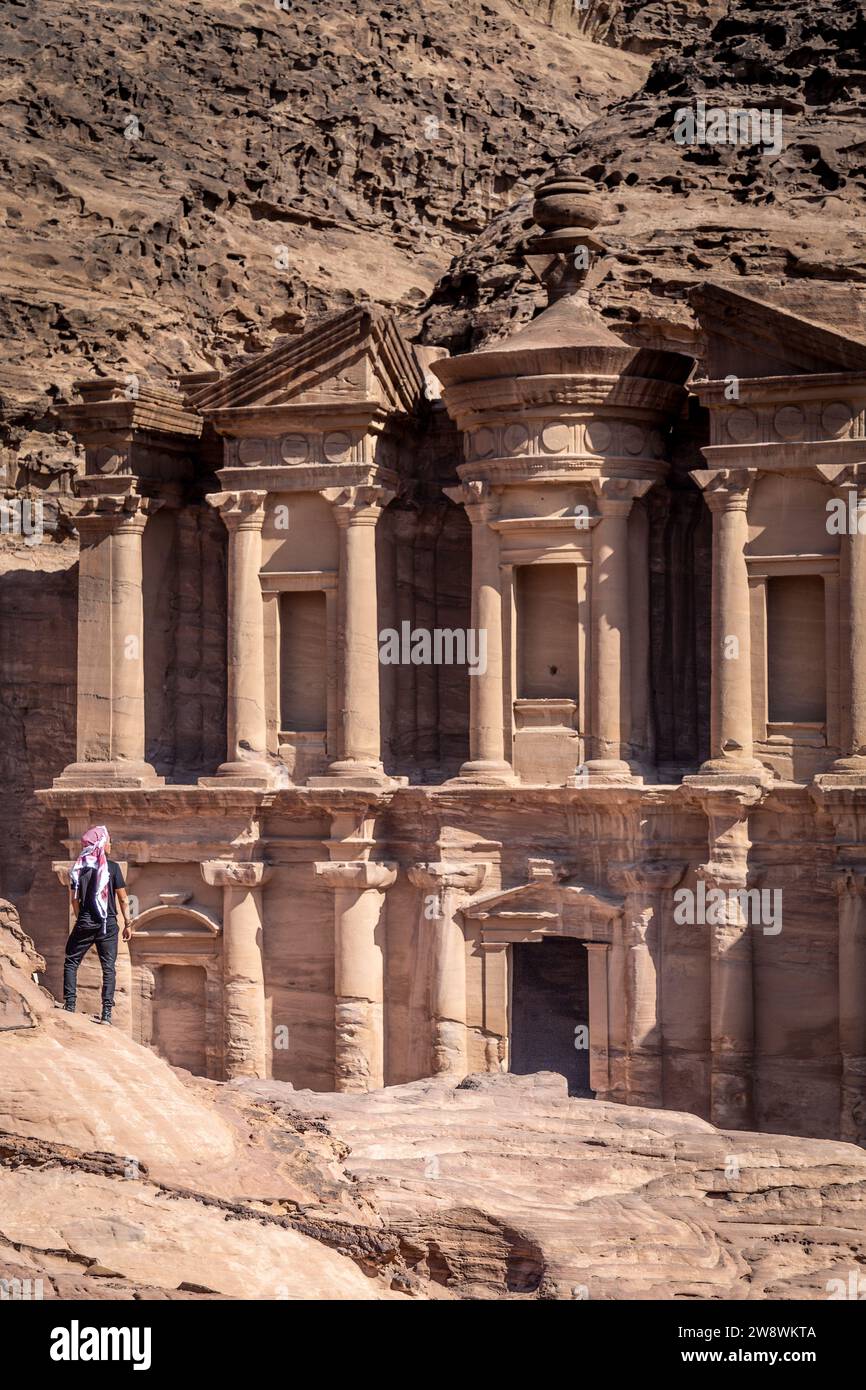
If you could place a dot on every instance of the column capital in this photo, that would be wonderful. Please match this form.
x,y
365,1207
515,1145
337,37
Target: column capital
x,y
441,874
479,499
359,874
849,879
109,514
62,869
240,511
847,476
229,873
615,496
358,506
653,877
725,489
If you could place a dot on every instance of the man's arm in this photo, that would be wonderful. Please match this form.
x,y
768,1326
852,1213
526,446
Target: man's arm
x,y
122,899
75,904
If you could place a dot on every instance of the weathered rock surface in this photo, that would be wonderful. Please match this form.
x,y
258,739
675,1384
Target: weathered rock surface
x,y
791,223
186,183
121,1177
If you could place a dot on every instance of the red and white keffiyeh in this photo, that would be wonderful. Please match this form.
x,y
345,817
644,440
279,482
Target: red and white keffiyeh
x,y
92,857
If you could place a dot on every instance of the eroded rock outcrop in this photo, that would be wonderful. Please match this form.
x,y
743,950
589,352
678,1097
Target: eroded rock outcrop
x,y
785,224
184,184
121,1177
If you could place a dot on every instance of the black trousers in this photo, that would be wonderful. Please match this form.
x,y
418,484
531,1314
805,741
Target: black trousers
x,y
81,938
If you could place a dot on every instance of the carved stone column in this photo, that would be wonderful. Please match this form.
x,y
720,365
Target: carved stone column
x,y
732,1008
731,738
598,967
487,763
449,882
246,718
247,1050
359,751
644,886
850,479
850,885
610,698
359,983
110,717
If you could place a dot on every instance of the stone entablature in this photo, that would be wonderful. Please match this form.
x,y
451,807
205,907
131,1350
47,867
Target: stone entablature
x,y
132,428
786,410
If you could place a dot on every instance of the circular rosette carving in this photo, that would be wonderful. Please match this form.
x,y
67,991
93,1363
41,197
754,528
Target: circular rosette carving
x,y
598,436
482,444
294,448
516,439
789,422
633,438
252,451
556,437
337,446
742,425
109,460
836,418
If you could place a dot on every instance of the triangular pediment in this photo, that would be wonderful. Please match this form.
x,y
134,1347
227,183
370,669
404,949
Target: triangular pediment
x,y
781,330
544,905
356,356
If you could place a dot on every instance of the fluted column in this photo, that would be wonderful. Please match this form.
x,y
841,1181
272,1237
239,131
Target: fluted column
x,y
359,752
110,731
449,882
359,981
246,719
850,885
645,886
731,738
246,1049
487,750
610,698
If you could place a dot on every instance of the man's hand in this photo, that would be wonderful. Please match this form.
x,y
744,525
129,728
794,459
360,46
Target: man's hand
x,y
127,930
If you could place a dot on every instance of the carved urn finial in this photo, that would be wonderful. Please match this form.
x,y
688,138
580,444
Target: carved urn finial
x,y
567,208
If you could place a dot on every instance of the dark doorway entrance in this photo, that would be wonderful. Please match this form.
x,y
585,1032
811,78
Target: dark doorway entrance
x,y
549,1001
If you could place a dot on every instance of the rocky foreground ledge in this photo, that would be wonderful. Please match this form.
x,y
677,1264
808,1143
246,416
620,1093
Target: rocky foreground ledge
x,y
121,1177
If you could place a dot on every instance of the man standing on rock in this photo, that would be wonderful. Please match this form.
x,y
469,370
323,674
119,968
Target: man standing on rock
x,y
96,887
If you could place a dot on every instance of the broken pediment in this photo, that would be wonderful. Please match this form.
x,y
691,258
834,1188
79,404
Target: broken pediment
x,y
780,331
544,907
357,356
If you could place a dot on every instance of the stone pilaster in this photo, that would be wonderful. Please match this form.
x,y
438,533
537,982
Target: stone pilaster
x,y
850,885
641,1066
610,696
726,493
110,714
246,719
732,1006
246,1048
359,752
850,479
359,986
487,763
449,883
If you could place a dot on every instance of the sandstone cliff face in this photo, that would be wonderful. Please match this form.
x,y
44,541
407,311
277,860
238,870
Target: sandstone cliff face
x,y
187,183
121,1177
789,223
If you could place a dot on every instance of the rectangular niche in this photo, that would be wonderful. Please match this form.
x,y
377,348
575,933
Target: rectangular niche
x,y
547,632
180,1016
796,665
303,662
